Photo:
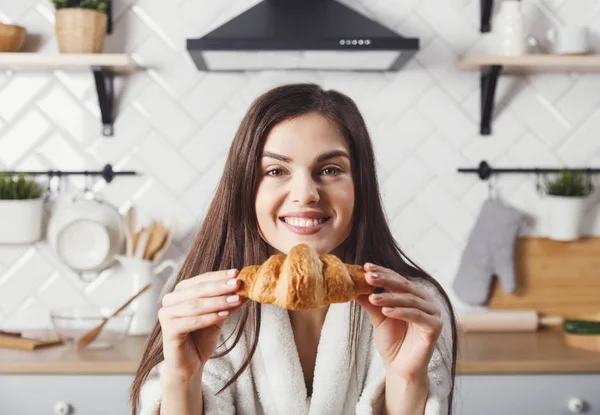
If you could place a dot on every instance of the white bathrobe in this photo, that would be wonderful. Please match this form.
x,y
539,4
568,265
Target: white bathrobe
x,y
273,383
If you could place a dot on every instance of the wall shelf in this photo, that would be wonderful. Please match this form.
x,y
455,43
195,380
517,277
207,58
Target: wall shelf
x,y
103,66
491,66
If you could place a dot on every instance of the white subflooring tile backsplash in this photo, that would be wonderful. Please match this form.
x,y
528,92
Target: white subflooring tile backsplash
x,y
174,125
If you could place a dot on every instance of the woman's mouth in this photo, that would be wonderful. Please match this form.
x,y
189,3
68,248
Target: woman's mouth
x,y
304,226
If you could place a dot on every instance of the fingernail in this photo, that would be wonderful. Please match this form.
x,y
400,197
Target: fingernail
x,y
223,313
233,298
232,272
374,275
387,309
376,296
371,266
232,281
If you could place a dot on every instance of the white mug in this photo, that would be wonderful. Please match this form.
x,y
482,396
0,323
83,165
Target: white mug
x,y
569,40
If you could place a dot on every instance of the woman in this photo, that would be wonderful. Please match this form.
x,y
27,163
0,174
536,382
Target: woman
x,y
300,170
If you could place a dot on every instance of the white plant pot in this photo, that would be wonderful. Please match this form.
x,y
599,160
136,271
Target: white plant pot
x,y
21,221
565,217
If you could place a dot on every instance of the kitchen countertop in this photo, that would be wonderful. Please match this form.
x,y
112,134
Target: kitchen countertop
x,y
524,352
65,359
479,353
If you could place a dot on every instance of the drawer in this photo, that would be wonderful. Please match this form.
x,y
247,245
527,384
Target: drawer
x,y
538,394
86,394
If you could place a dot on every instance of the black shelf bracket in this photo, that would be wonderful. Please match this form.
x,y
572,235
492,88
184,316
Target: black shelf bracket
x,y
485,171
486,15
104,79
107,173
109,23
488,83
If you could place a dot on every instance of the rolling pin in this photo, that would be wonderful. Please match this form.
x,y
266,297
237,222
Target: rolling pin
x,y
506,320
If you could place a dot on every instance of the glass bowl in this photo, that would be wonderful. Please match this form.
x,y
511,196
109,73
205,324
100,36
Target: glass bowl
x,y
70,324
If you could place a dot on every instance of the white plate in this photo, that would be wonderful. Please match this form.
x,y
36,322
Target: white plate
x,y
94,210
83,244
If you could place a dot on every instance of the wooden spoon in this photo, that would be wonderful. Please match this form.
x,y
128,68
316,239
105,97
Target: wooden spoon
x,y
89,336
157,238
130,225
170,235
142,242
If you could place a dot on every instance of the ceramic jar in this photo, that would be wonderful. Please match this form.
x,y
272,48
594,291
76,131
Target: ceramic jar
x,y
509,30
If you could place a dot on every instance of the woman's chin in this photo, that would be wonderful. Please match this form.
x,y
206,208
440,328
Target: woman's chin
x,y
322,247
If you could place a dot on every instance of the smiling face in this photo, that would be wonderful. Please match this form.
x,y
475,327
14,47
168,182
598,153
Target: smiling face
x,y
305,192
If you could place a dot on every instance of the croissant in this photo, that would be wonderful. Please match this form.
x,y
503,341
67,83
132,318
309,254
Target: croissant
x,y
302,280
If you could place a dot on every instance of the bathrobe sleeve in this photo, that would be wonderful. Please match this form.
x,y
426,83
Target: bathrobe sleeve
x,y
440,365
216,373
372,399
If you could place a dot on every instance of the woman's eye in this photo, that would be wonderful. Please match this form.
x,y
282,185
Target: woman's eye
x,y
274,172
331,171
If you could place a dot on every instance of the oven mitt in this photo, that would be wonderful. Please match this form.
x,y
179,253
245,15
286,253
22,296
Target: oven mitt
x,y
489,251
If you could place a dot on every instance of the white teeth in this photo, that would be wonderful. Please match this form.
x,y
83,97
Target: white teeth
x,y
303,223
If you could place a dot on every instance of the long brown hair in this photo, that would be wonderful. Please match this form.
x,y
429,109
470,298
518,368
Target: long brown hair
x,y
229,236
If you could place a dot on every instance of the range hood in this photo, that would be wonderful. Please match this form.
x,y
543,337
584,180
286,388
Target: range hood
x,y
301,34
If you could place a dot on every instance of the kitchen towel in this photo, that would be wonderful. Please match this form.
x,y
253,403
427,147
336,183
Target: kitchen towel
x,y
489,251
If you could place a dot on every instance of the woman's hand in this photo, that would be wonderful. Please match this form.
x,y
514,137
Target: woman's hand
x,y
406,322
191,318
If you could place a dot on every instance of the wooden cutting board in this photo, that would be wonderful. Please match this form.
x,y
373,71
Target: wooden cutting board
x,y
554,277
12,341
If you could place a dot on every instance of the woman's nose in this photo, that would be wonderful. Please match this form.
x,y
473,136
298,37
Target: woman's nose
x,y
304,190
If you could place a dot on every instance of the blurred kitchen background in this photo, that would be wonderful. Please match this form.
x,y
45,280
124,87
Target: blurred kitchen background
x,y
173,126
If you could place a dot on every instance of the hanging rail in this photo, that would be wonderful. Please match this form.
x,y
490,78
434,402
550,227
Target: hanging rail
x,y
484,171
107,173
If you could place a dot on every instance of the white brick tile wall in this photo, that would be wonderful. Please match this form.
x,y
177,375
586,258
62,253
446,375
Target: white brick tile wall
x,y
21,136
19,92
174,125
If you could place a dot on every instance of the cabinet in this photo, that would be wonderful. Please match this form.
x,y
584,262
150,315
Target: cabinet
x,y
494,394
524,394
65,394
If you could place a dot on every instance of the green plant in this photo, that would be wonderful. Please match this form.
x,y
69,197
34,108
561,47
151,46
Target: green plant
x,y
569,183
99,5
19,188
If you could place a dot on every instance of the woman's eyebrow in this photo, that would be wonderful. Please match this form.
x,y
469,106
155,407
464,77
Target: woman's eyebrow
x,y
320,159
276,156
332,154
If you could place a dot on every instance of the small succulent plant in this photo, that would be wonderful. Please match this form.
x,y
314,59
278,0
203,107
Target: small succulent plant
x,y
19,188
99,5
571,183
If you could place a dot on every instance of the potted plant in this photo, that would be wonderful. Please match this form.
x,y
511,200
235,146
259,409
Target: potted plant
x,y
81,25
566,196
21,209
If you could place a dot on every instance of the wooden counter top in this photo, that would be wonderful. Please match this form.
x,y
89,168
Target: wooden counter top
x,y
479,353
541,352
65,359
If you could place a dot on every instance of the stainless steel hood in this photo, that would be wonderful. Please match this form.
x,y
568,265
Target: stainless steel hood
x,y
301,34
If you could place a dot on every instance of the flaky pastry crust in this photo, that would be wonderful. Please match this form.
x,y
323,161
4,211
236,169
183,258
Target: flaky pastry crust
x,y
303,280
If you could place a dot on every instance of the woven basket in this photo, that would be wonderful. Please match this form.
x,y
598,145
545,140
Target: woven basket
x,y
12,37
80,30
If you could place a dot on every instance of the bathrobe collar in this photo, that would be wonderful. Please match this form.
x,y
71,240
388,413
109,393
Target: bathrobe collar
x,y
282,363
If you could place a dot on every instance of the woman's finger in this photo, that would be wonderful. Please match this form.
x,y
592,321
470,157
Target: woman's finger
x,y
406,300
208,276
184,325
204,290
200,306
378,276
416,316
